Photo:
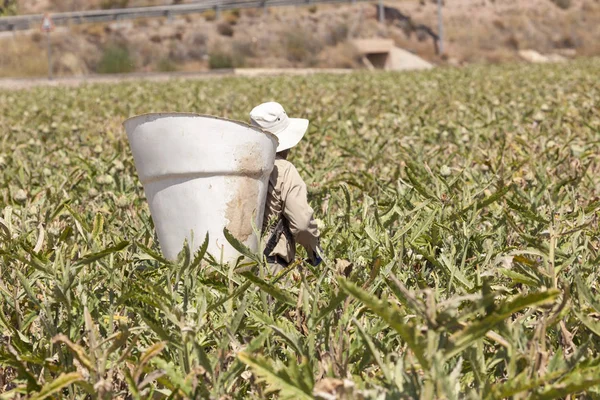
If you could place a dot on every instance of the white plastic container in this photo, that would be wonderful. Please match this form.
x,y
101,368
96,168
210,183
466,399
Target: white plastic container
x,y
202,174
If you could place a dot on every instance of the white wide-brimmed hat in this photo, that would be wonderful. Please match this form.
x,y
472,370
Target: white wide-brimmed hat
x,y
272,118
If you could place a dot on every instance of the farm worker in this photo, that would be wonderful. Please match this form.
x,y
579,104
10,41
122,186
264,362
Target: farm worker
x,y
288,216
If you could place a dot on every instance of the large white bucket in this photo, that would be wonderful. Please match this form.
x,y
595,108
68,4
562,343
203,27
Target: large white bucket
x,y
202,174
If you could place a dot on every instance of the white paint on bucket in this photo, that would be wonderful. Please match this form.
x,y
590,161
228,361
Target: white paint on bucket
x,y
201,174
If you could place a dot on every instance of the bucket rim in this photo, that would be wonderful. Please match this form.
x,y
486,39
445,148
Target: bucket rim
x,y
191,114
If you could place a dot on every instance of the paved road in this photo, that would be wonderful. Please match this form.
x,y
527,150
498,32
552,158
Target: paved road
x,y
22,83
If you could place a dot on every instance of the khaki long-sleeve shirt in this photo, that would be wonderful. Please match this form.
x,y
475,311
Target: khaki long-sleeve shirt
x,y
287,199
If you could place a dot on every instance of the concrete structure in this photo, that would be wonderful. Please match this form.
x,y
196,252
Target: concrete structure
x,y
383,54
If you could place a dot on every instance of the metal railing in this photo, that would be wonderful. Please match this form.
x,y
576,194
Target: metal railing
x,y
33,21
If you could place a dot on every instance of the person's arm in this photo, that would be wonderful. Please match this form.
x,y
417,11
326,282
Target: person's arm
x,y
299,214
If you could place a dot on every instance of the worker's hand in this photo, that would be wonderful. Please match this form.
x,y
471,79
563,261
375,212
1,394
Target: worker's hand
x,y
314,257
315,260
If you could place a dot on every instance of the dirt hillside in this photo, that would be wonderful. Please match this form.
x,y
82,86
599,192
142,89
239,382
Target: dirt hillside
x,y
315,36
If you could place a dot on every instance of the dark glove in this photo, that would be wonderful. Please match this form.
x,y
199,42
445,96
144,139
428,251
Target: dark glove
x,y
314,261
314,258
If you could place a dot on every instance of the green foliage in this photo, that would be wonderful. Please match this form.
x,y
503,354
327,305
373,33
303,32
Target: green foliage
x,y
459,218
166,65
221,59
291,386
8,7
115,60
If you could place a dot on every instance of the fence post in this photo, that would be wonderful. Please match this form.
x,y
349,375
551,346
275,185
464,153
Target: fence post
x,y
218,10
49,56
381,19
440,28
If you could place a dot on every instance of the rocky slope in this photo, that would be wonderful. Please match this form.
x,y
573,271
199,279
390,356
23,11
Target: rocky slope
x,y
475,31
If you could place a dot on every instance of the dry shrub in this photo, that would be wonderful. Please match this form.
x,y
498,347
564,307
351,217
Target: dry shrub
x,y
199,39
22,57
337,34
499,24
590,6
566,42
231,17
225,29
253,12
301,45
35,7
210,15
512,42
197,45
178,52
562,4
344,55
95,31
108,4
146,53
141,23
244,48
69,64
75,54
37,37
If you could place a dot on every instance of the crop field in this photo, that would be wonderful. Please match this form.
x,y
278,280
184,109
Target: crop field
x,y
459,218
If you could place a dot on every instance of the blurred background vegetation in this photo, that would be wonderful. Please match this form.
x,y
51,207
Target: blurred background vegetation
x,y
477,31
